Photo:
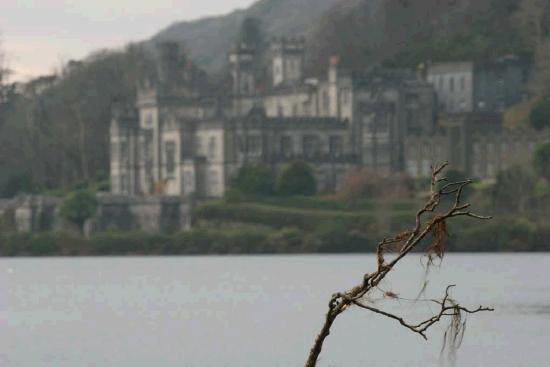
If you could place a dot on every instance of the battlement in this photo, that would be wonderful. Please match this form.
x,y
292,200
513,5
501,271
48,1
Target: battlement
x,y
288,45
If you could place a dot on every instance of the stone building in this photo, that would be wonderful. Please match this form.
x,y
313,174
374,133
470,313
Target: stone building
x,y
181,141
474,144
184,140
464,87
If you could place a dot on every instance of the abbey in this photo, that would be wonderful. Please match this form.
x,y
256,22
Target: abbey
x,y
185,139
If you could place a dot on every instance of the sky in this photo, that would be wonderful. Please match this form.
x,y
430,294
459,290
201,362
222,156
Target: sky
x,y
40,35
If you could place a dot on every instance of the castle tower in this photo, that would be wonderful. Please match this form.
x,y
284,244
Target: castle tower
x,y
241,62
287,60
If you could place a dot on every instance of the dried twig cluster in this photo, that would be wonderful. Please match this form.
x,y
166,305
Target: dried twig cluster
x,y
428,222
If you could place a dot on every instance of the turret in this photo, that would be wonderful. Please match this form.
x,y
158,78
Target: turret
x,y
287,60
241,62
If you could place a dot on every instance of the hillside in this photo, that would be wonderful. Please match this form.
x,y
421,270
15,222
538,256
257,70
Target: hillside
x,y
363,31
406,32
209,39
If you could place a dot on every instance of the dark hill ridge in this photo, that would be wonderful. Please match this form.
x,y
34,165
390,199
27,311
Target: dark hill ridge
x,y
362,32
209,39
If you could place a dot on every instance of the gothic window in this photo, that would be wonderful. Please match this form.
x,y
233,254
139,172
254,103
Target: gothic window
x,y
253,144
326,100
170,150
212,147
381,124
124,152
198,146
124,186
345,96
149,147
280,110
286,146
336,146
214,181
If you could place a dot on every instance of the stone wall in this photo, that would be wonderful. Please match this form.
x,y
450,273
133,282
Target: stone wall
x,y
35,213
150,214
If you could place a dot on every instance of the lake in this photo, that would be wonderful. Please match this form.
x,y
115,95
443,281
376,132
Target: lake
x,y
262,311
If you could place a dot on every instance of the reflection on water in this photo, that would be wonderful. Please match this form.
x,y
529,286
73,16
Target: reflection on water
x,y
250,311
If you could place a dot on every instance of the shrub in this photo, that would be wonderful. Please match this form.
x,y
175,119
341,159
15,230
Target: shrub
x,y
79,206
278,217
337,237
513,189
361,184
255,180
542,160
296,180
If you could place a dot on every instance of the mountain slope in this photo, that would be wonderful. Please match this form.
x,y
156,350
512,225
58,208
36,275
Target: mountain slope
x,y
209,39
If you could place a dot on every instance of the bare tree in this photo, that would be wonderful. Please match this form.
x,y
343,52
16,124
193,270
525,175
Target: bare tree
x,y
429,222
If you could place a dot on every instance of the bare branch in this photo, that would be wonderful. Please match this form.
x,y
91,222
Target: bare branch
x,y
406,242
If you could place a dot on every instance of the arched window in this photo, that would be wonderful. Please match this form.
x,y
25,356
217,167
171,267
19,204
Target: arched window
x,y
212,147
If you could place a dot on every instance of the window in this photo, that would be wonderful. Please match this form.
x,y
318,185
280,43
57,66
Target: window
x,y
170,151
280,111
286,146
452,84
310,146
213,180
149,120
462,83
198,146
212,147
295,109
253,144
326,100
336,146
124,152
124,184
345,96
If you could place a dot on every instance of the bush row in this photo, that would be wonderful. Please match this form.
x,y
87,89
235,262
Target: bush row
x,y
279,217
326,237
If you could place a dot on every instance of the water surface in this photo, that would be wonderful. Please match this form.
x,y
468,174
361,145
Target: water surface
x,y
260,311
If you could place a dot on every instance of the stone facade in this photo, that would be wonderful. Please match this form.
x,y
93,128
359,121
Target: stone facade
x,y
465,87
150,214
180,141
474,144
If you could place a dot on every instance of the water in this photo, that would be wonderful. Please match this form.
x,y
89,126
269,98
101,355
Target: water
x,y
260,311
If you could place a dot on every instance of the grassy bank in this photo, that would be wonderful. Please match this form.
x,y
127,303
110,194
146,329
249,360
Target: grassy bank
x,y
290,225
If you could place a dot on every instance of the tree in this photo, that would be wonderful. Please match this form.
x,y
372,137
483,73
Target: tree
x,y
542,160
251,33
297,179
431,221
255,180
513,189
366,184
79,206
4,90
540,114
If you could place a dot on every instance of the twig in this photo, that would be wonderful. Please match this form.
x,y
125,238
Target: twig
x,y
408,240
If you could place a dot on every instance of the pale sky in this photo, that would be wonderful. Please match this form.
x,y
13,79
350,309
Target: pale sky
x,y
39,35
